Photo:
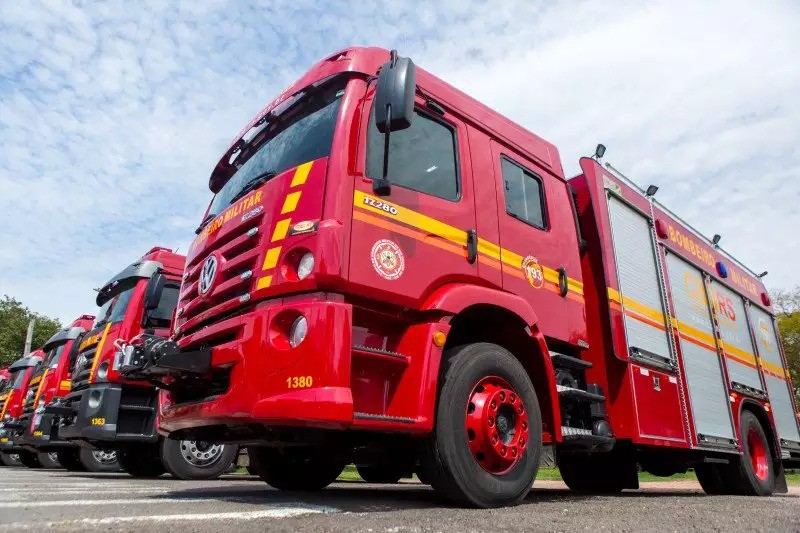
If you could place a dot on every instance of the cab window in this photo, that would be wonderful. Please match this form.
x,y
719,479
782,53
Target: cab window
x,y
523,193
162,315
422,157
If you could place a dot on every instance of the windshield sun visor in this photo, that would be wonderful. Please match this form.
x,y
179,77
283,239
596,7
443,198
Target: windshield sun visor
x,y
127,279
67,334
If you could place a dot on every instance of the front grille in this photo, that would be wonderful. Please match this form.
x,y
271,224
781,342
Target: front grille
x,y
239,251
83,367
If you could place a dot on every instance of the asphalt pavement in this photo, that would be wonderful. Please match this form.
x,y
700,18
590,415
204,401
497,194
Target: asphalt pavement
x,y
54,499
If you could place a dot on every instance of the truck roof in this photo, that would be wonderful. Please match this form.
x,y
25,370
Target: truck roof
x,y
366,61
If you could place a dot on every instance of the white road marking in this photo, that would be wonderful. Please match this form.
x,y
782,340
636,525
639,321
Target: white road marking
x,y
286,511
128,501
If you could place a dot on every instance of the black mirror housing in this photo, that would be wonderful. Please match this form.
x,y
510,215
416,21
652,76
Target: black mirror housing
x,y
394,96
152,293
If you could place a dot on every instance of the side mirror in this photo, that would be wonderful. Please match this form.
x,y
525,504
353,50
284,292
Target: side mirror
x,y
394,107
152,293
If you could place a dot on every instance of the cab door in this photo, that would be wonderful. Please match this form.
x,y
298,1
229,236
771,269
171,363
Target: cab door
x,y
409,242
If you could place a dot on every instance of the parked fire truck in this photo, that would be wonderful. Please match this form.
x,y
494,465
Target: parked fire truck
x,y
107,412
51,381
13,398
393,274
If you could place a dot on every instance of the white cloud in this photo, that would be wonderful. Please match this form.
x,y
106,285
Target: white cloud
x,y
112,115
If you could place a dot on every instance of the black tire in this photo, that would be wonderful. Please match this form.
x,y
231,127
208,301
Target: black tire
x,y
310,468
711,480
29,459
252,470
423,476
10,459
207,461
591,473
447,460
71,460
381,473
98,461
746,479
143,462
47,460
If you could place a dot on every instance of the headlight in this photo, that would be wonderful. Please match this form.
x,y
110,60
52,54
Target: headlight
x,y
102,371
298,332
305,266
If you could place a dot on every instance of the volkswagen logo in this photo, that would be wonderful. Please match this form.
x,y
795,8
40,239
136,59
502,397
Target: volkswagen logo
x,y
207,274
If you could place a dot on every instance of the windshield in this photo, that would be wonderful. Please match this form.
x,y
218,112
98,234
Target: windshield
x,y
114,309
17,379
301,133
53,356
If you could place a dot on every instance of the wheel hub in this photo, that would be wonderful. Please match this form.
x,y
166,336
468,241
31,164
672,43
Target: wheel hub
x,y
105,457
757,451
497,425
201,453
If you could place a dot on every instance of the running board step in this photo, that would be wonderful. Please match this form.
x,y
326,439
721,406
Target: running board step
x,y
584,439
377,353
579,395
561,360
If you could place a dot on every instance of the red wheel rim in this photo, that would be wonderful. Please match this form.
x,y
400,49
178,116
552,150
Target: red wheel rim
x,y
497,425
757,450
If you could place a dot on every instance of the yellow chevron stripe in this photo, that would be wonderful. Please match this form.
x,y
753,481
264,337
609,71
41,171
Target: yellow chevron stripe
x,y
281,229
290,203
98,352
301,174
271,258
263,282
39,388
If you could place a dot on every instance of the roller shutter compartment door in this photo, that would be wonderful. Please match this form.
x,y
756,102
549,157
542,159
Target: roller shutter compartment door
x,y
775,375
708,394
737,344
639,284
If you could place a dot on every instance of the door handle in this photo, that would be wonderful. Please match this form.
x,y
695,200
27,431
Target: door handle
x,y
472,246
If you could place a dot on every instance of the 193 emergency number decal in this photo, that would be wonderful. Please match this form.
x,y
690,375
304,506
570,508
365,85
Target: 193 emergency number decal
x,y
388,259
377,204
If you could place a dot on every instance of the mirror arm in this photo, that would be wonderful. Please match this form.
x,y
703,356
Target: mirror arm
x,y
381,186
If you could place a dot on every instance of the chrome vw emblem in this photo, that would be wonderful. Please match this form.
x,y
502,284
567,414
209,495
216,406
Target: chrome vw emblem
x,y
207,274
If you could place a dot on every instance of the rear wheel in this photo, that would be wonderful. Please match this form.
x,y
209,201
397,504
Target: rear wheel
x,y
382,473
10,459
30,459
307,468
188,459
750,474
142,461
71,460
487,439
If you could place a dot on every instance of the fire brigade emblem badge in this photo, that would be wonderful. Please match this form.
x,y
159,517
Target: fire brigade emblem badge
x,y
207,274
387,259
533,271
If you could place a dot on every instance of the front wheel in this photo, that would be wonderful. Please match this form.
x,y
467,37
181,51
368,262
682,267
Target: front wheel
x,y
189,459
487,438
99,460
10,459
306,468
48,460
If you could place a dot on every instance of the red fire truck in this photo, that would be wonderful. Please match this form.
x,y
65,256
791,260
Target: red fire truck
x,y
17,390
51,382
104,410
393,274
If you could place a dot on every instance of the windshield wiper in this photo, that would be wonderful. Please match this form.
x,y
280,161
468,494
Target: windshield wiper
x,y
209,218
252,184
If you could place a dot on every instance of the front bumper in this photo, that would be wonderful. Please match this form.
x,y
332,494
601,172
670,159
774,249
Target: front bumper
x,y
264,382
43,435
7,444
112,413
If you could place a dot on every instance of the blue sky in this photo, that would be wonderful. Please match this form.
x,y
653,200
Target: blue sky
x,y
112,114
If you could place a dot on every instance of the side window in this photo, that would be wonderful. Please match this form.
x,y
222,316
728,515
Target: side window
x,y
524,194
162,315
421,157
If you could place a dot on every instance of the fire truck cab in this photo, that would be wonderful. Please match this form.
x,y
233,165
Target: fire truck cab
x,y
393,274
51,380
17,391
104,410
